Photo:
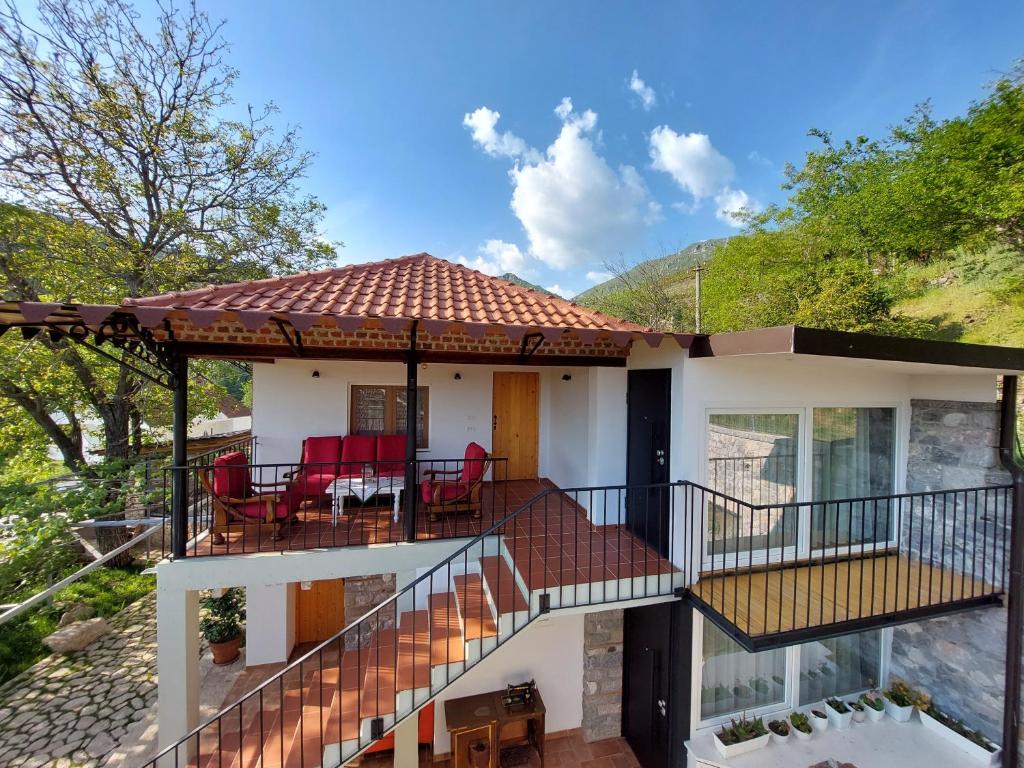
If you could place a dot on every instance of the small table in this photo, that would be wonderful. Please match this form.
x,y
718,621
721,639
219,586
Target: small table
x,y
483,718
364,488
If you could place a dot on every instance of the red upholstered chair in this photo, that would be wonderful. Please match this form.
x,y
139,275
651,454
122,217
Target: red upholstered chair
x,y
319,466
456,494
356,452
237,502
391,455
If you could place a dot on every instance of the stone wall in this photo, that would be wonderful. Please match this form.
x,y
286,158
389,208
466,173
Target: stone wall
x,y
602,675
361,595
957,659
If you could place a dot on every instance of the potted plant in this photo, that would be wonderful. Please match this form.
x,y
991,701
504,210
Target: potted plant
x,y
839,715
819,719
741,736
761,687
744,696
801,725
221,624
858,710
874,705
779,730
901,700
967,739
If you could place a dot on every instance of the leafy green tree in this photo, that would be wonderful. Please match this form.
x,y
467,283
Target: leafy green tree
x,y
132,173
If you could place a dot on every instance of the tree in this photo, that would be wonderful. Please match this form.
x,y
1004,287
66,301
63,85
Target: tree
x,y
129,180
643,294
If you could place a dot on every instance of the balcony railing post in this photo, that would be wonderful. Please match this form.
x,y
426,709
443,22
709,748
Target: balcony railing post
x,y
411,414
179,456
1015,608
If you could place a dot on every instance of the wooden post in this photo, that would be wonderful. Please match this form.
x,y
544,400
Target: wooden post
x,y
179,457
411,412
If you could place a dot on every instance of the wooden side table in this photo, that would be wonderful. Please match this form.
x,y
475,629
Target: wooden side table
x,y
484,717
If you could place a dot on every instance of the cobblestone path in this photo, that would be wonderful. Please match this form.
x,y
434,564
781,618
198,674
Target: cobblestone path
x,y
71,711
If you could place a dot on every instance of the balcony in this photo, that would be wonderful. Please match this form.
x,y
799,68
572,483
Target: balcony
x,y
772,575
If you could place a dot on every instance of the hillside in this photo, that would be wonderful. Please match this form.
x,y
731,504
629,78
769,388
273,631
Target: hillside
x,y
670,266
514,278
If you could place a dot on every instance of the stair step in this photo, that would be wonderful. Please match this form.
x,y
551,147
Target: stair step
x,y
477,618
414,650
501,583
447,645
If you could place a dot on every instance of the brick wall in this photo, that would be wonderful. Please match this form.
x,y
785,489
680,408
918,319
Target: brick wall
x,y
602,675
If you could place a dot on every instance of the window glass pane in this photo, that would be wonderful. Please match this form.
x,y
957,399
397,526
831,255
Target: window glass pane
x,y
840,666
401,410
368,410
734,680
853,456
752,457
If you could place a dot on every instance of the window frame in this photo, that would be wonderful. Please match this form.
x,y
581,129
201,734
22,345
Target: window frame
x,y
391,392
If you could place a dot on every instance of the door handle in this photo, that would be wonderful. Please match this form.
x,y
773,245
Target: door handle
x,y
663,707
494,423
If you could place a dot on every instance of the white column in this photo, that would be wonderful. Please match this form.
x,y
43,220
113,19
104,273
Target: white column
x,y
177,662
269,623
407,743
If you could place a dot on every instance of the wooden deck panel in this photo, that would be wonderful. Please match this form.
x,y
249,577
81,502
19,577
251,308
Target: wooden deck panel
x,y
807,596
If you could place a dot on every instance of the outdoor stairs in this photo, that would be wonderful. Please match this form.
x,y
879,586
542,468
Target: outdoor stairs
x,y
359,693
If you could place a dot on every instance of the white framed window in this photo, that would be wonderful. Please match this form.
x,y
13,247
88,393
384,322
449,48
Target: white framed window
x,y
729,682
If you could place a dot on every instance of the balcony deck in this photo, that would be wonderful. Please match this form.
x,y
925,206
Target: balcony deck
x,y
775,607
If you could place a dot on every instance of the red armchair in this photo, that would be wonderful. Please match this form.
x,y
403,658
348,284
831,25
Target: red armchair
x,y
319,466
238,502
456,494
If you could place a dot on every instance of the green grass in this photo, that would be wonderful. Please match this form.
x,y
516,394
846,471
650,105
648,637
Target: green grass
x,y
975,298
108,590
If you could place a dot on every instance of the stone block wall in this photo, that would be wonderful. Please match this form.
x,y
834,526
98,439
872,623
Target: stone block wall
x,y
957,659
602,675
362,594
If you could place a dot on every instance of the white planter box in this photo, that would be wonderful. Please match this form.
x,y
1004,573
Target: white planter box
x,y
898,713
839,720
978,753
742,748
819,723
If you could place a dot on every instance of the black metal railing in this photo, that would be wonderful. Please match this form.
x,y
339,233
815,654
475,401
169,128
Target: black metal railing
x,y
348,692
250,507
776,571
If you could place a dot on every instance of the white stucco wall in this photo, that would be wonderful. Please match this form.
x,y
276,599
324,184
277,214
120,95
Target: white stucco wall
x,y
550,651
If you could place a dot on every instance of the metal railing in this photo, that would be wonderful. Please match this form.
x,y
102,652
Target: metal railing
x,y
259,507
783,569
349,691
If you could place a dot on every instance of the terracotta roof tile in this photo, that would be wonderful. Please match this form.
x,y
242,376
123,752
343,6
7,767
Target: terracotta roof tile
x,y
411,287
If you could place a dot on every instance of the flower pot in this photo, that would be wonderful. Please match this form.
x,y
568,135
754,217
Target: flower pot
x,y
819,723
732,750
779,739
978,753
896,712
839,720
858,715
800,734
226,652
874,715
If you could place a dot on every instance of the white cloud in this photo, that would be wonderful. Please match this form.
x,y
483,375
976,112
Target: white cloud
x,y
482,124
574,207
496,257
647,96
599,277
756,157
558,291
730,204
691,160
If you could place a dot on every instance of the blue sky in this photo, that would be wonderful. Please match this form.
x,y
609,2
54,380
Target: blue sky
x,y
382,91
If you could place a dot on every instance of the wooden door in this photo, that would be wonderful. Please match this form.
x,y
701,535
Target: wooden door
x,y
515,419
319,610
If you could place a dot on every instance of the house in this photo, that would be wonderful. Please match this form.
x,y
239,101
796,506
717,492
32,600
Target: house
x,y
667,530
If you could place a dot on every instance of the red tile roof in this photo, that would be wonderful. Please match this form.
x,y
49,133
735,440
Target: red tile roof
x,y
412,287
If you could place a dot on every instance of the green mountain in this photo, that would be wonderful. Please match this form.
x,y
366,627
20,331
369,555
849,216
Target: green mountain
x,y
514,278
667,266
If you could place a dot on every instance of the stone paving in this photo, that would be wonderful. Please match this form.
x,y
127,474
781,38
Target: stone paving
x,y
71,711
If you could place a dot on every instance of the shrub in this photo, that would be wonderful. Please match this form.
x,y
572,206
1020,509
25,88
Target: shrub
x,y
223,617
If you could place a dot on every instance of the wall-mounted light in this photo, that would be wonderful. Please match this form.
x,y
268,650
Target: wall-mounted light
x,y
316,374
566,377
458,376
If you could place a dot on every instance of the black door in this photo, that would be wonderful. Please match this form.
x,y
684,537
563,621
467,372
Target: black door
x,y
656,673
647,457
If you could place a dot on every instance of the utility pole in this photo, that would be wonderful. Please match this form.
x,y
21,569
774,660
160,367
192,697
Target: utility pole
x,y
697,272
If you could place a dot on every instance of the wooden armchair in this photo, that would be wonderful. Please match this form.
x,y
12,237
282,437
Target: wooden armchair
x,y
456,494
237,502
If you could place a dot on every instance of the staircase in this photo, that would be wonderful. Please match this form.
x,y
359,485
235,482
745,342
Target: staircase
x,y
327,707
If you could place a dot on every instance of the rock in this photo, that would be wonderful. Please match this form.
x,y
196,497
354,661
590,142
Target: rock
x,y
77,636
76,612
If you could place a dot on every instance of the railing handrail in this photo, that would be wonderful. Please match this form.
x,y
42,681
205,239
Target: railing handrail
x,y
191,465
